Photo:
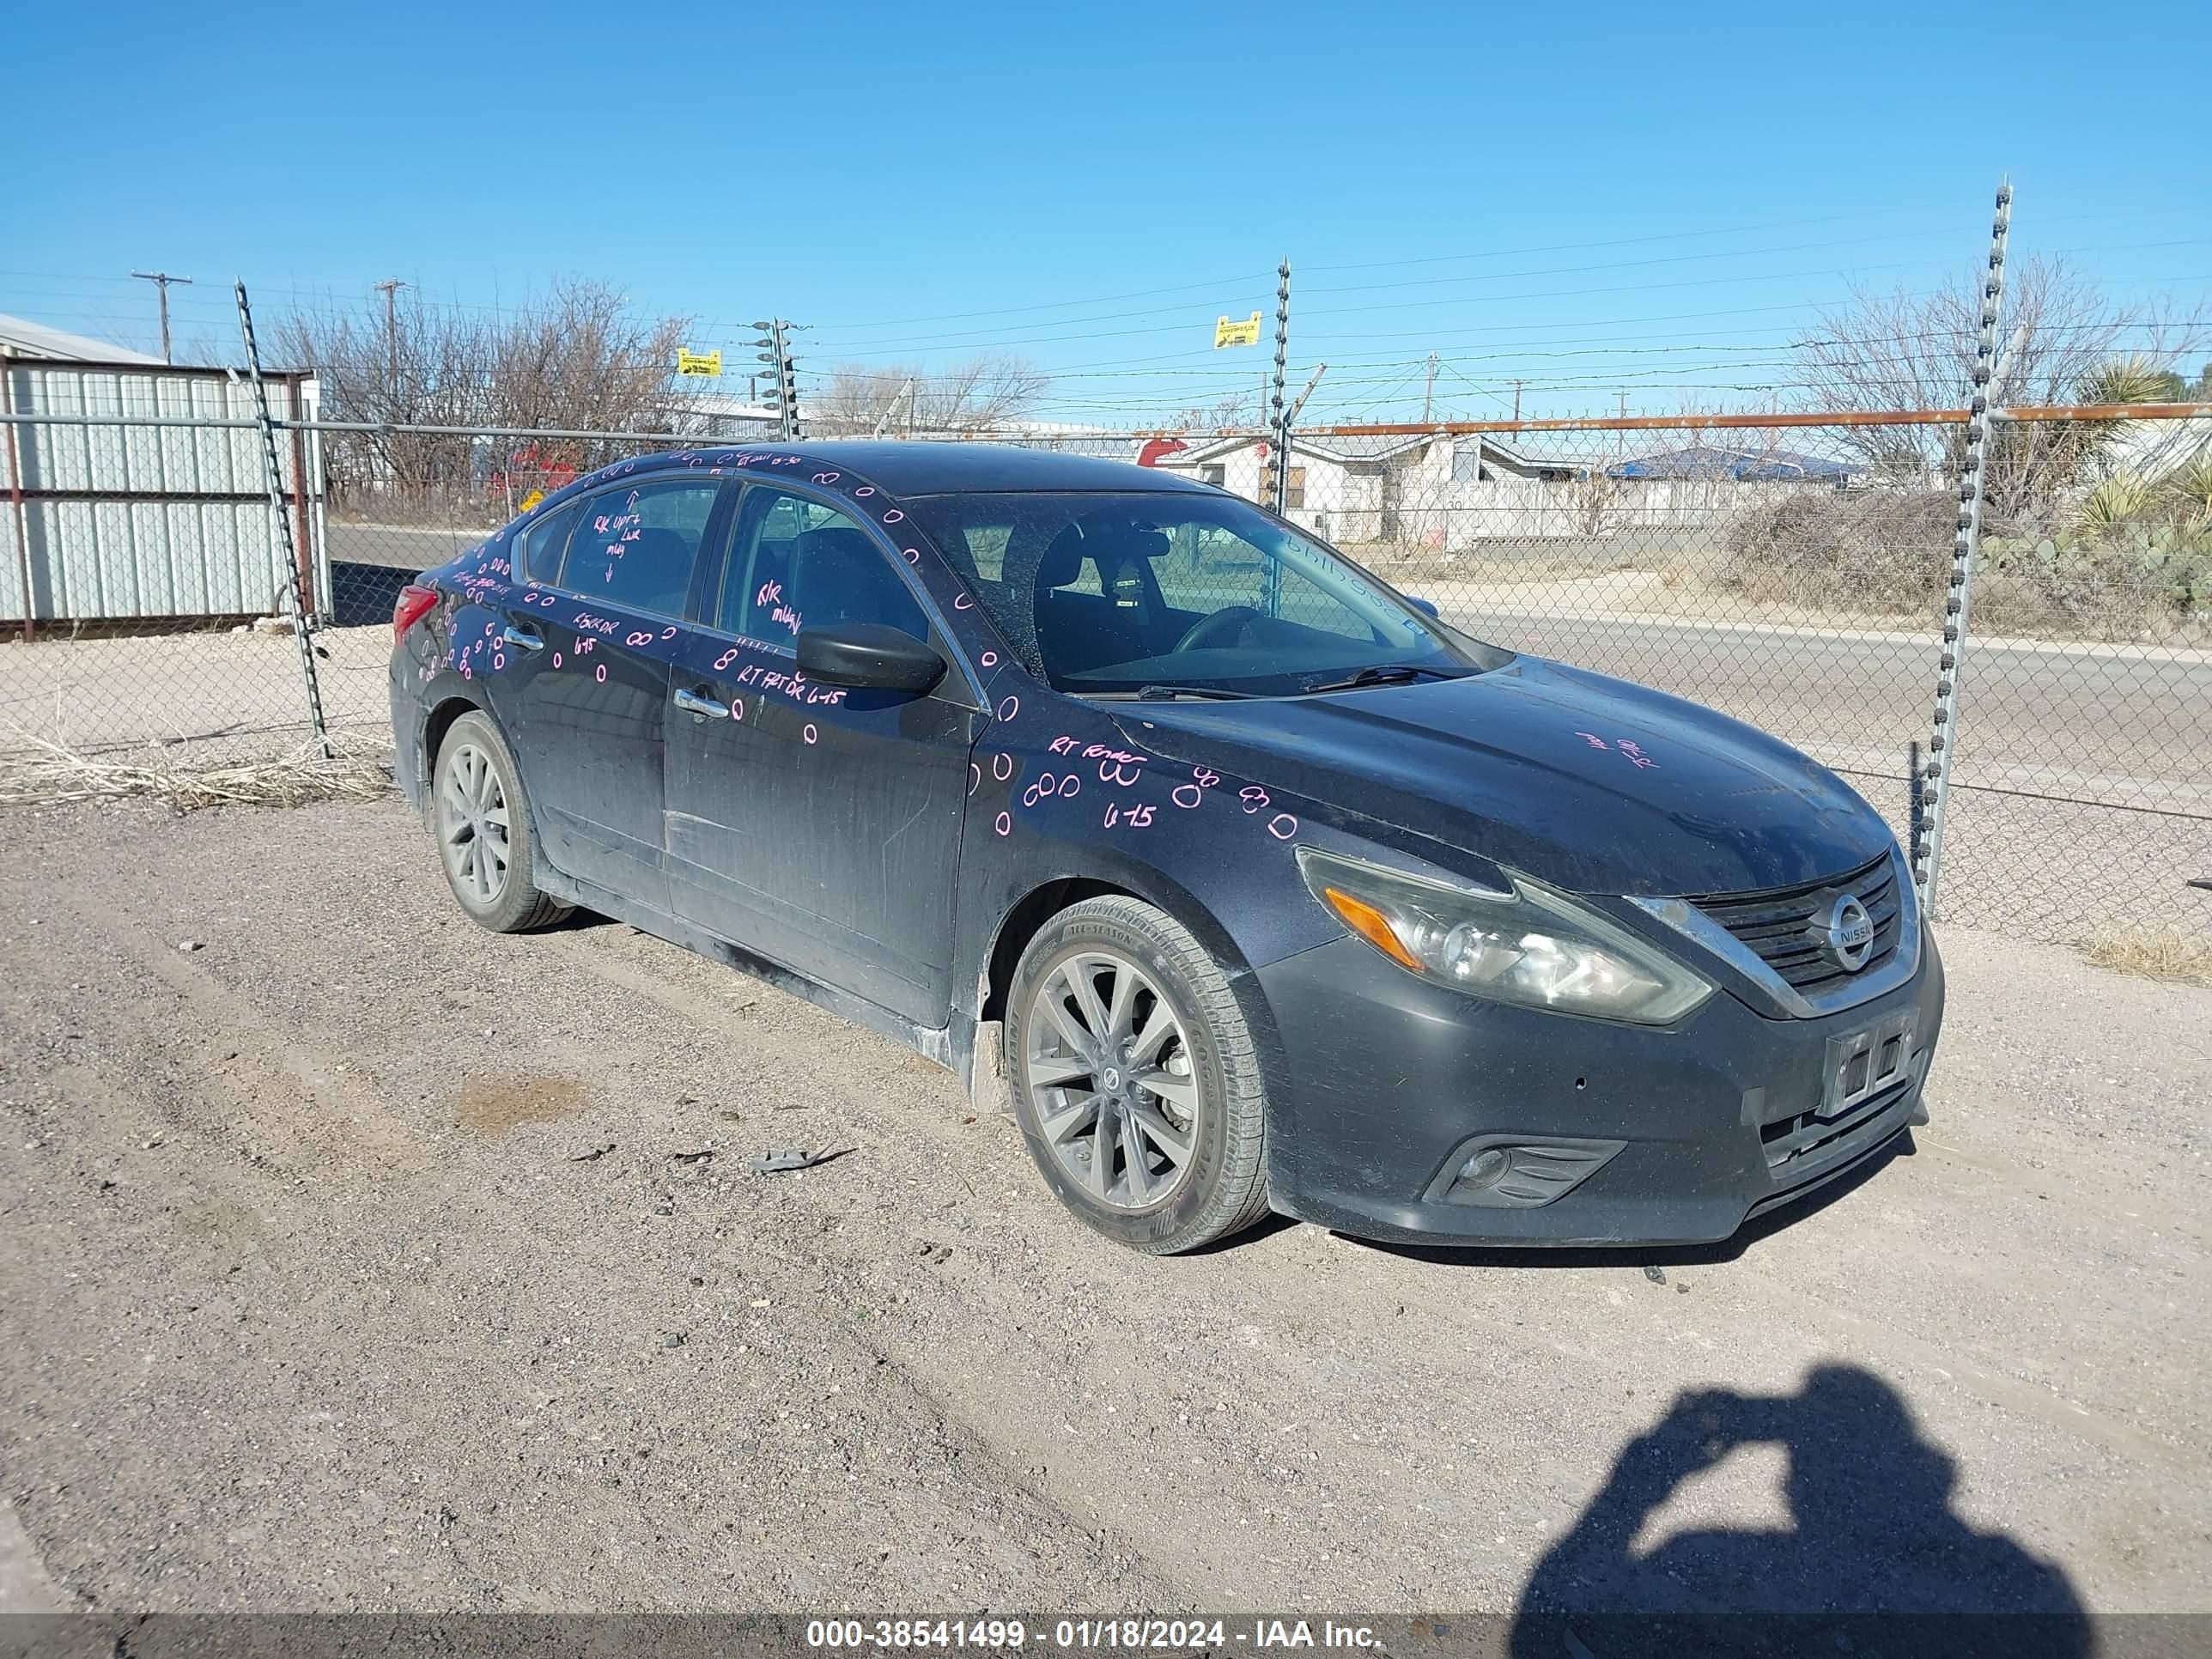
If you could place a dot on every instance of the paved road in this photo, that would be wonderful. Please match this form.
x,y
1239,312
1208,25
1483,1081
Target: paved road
x,y
397,546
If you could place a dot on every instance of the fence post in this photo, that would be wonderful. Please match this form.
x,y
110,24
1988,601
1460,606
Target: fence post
x,y
298,600
1974,489
1280,432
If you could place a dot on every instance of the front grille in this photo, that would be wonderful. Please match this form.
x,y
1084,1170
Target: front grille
x,y
1776,924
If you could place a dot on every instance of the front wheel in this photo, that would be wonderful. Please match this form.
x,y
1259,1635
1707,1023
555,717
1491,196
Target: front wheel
x,y
1135,1077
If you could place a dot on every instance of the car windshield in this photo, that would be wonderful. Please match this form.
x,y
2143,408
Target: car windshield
x,y
1114,594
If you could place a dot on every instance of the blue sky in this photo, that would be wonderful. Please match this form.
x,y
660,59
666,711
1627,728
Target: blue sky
x,y
1526,191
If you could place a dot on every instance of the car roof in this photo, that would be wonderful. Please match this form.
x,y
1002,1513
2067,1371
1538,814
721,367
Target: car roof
x,y
934,468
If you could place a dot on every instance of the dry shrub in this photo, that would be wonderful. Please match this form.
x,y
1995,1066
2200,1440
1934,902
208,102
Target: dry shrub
x,y
1880,551
1889,552
2126,582
2154,953
48,773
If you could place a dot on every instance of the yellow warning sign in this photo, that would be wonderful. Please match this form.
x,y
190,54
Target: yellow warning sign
x,y
529,501
706,363
1228,332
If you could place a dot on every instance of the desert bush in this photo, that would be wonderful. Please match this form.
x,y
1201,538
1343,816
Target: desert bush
x,y
2125,580
1872,552
2108,576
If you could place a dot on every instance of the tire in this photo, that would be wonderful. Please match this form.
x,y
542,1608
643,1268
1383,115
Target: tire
x,y
1196,1085
476,807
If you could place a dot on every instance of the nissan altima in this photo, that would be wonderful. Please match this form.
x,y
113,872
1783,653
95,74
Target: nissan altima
x,y
1247,882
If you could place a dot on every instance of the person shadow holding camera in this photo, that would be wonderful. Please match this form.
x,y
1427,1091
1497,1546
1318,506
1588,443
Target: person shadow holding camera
x,y
1876,1563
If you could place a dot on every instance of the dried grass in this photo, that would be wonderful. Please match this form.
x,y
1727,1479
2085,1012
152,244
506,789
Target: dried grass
x,y
47,773
2154,953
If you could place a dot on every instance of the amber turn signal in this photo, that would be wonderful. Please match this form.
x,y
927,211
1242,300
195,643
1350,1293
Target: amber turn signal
x,y
1371,925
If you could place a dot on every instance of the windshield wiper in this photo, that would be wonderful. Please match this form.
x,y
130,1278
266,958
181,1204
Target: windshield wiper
x,y
1168,693
1394,674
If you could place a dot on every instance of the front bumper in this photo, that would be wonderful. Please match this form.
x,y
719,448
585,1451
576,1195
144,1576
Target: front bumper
x,y
1674,1136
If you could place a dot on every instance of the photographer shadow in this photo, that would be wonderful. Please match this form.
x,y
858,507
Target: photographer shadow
x,y
1875,1561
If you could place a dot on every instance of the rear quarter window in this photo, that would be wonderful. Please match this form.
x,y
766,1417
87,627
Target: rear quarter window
x,y
539,547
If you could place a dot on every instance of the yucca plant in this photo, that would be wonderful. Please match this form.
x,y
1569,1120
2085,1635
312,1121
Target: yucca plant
x,y
2123,498
2189,487
2134,378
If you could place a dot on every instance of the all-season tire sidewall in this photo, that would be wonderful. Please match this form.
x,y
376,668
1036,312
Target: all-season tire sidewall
x,y
1189,1217
520,906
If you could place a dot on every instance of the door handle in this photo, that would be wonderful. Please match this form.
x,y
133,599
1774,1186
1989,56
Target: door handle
x,y
692,703
514,637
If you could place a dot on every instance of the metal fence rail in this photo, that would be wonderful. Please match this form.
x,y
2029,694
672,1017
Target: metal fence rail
x,y
1755,564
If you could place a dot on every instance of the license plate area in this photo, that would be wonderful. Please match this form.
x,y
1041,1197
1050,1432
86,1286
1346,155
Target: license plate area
x,y
1864,1062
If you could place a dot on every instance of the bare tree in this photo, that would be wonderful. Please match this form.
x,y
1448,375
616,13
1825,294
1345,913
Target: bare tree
x,y
1229,413
982,392
575,358
1904,351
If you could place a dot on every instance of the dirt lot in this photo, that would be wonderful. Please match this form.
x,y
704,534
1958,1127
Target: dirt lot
x,y
358,1258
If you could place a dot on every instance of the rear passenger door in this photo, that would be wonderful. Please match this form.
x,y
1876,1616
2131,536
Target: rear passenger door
x,y
816,825
587,643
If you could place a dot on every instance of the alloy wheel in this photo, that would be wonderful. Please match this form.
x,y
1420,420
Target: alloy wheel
x,y
1107,1066
472,824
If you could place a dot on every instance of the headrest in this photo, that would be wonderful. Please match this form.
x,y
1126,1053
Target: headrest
x,y
1063,561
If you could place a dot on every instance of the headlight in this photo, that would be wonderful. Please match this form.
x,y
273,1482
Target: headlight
x,y
1532,946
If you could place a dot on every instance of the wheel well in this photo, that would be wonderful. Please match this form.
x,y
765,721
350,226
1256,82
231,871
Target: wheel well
x,y
1021,925
441,721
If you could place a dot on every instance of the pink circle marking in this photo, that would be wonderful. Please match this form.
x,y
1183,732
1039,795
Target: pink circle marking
x,y
1281,818
556,658
601,674
1191,789
1010,707
809,733
737,708
1005,825
1002,767
990,659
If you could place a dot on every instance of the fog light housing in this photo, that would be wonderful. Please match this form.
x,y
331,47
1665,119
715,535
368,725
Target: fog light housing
x,y
1519,1172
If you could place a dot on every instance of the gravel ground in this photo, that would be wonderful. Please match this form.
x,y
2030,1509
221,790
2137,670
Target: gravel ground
x,y
358,1258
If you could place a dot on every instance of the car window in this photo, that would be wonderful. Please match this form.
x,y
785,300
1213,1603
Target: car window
x,y
538,549
635,544
797,562
1112,592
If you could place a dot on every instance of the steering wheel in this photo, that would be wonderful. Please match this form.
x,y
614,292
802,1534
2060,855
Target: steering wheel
x,y
1230,619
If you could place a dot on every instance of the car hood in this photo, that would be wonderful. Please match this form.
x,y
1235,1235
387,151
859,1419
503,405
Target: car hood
x,y
1589,783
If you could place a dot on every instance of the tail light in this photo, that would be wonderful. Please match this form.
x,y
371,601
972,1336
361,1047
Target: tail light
x,y
415,602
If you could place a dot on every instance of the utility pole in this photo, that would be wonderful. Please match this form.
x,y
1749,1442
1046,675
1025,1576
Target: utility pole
x,y
1516,403
1620,433
161,280
1429,389
388,287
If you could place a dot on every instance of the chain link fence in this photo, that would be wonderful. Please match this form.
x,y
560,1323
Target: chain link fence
x,y
1766,570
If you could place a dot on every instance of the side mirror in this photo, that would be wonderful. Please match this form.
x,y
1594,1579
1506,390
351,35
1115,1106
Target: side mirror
x,y
871,656
1426,607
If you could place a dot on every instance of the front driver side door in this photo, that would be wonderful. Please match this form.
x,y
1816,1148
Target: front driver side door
x,y
816,825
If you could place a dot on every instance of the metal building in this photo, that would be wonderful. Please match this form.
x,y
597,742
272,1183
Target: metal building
x,y
146,523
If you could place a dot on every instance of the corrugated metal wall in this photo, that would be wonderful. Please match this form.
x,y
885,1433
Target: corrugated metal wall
x,y
119,522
